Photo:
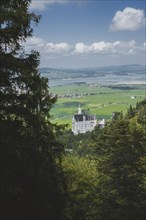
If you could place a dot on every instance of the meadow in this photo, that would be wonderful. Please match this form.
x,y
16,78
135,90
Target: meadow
x,y
100,100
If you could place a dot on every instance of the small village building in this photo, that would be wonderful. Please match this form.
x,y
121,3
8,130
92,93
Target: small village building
x,y
101,123
82,122
133,97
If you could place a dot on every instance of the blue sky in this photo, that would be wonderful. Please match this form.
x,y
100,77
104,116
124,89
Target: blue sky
x,y
80,33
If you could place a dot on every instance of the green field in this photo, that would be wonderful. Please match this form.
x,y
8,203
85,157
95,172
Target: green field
x,y
98,100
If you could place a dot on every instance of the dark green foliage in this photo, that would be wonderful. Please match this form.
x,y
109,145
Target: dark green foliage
x,y
31,178
15,23
141,113
120,151
80,144
117,115
131,112
82,183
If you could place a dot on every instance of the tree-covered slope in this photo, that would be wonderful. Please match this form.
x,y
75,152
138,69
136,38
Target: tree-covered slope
x,y
31,179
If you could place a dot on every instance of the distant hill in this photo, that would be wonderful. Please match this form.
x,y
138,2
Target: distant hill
x,y
53,73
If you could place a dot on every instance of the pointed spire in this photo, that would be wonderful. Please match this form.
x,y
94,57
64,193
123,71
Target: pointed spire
x,y
79,109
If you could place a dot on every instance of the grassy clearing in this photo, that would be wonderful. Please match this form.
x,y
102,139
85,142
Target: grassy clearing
x,y
101,101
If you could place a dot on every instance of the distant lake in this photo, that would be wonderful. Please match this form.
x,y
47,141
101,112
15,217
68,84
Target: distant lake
x,y
107,79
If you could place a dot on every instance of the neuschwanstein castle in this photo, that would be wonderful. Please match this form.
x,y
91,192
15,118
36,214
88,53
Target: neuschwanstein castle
x,y
81,122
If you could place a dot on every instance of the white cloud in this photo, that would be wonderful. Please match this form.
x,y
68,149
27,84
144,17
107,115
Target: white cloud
x,y
81,48
57,48
129,19
42,4
37,43
101,47
97,47
55,54
124,47
117,47
34,43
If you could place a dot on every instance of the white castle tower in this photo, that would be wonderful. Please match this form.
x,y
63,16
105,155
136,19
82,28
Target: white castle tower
x,y
79,110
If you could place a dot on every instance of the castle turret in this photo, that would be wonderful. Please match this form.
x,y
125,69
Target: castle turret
x,y
79,110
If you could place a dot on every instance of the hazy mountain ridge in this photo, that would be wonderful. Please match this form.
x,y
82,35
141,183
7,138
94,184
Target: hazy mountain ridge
x,y
53,73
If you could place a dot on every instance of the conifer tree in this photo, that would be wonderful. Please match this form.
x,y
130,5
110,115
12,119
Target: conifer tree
x,y
31,179
120,153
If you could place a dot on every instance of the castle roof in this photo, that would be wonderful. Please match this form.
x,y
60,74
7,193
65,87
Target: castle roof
x,y
81,117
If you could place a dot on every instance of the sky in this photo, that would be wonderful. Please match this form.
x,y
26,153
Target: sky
x,y
89,33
